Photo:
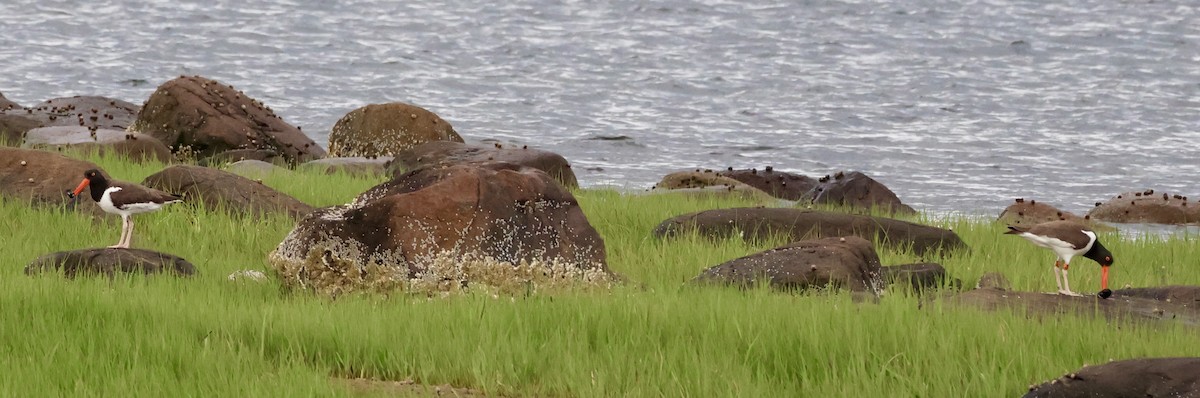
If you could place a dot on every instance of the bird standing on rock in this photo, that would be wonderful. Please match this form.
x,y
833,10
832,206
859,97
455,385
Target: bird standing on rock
x,y
124,199
1069,239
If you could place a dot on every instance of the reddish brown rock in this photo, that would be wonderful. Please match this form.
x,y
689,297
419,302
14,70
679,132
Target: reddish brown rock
x,y
444,153
13,128
1148,206
109,262
205,117
134,146
779,184
1140,377
1029,212
856,190
387,129
797,224
43,179
843,262
91,112
497,210
218,189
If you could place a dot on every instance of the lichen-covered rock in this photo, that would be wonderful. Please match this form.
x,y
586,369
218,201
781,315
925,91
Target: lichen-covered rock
x,y
1147,206
386,129
464,224
205,117
109,261
133,146
445,153
218,189
842,262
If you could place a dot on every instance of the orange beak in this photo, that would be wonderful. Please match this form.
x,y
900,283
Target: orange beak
x,y
82,184
1104,277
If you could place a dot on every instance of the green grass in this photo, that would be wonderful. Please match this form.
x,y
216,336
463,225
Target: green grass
x,y
654,336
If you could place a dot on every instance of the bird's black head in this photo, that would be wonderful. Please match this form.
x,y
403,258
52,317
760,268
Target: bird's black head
x,y
1100,254
92,174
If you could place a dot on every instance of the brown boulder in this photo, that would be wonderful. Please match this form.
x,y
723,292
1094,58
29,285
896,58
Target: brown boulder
x,y
207,117
13,128
856,190
224,190
700,179
90,112
387,129
779,184
400,230
1147,206
1141,377
43,178
920,276
797,224
135,146
351,165
109,261
1028,212
842,262
444,153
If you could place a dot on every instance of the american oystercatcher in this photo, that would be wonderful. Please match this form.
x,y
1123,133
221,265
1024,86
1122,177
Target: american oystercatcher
x,y
123,198
1069,239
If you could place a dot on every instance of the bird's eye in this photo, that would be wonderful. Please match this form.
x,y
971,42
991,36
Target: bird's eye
x,y
1107,258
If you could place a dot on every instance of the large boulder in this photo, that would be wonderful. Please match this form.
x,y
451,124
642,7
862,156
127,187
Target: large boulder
x,y
443,153
403,230
856,190
108,262
205,117
780,184
219,189
43,179
387,129
1147,206
135,146
13,128
92,112
797,224
1139,377
842,262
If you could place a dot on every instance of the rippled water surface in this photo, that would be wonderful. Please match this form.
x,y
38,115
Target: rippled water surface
x,y
955,105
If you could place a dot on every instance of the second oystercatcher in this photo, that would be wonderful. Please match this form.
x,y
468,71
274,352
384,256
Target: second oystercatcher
x,y
1069,239
123,198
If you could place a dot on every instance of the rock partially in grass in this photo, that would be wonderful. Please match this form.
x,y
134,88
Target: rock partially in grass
x,y
706,181
237,155
224,190
248,274
1118,306
843,262
205,117
1148,206
108,262
780,184
993,280
797,224
350,165
446,153
254,169
858,191
13,128
920,276
133,146
1141,377
43,178
1029,212
441,229
387,129
1188,296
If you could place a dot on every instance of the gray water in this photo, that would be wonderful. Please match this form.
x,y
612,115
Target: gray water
x,y
958,106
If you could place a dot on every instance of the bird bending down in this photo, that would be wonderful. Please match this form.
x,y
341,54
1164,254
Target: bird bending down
x,y
124,199
1068,239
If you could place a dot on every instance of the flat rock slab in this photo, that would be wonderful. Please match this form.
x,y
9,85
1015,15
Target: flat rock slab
x,y
1118,307
799,224
109,262
1143,377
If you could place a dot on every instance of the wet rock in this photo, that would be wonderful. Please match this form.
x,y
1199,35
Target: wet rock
x,y
837,262
350,165
1148,206
856,190
205,117
443,153
398,230
387,129
133,146
1028,212
797,224
43,179
13,128
108,262
92,112
224,190
780,184
1140,377
920,276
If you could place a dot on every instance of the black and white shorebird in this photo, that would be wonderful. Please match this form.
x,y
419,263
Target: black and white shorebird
x,y
124,199
1068,239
